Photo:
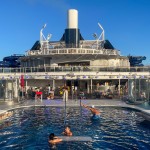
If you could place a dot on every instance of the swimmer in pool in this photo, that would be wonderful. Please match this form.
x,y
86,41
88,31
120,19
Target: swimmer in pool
x,y
6,115
67,131
94,111
54,139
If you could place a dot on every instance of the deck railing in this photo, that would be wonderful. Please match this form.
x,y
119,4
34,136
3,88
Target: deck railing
x,y
69,51
74,69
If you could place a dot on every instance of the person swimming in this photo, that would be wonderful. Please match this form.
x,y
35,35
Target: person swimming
x,y
67,131
6,115
54,139
94,111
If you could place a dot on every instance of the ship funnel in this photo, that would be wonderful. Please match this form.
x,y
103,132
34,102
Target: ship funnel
x,y
72,19
72,33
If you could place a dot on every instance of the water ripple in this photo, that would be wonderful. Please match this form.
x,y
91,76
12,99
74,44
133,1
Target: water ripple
x,y
117,129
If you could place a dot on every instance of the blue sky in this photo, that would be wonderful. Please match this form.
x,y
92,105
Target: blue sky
x,y
126,23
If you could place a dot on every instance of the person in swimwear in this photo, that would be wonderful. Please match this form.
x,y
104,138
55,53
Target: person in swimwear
x,y
94,111
67,131
6,115
54,139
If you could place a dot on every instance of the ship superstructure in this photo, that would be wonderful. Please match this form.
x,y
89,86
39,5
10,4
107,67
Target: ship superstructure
x,y
73,50
94,67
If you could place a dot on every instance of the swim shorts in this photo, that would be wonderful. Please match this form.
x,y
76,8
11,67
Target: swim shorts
x,y
96,117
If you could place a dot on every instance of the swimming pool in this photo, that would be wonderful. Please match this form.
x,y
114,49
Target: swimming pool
x,y
118,128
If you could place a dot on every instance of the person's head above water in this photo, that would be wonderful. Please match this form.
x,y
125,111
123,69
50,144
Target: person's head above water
x,y
67,127
51,136
67,131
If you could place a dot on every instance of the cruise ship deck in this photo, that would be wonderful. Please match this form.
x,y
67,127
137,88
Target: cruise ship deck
x,y
93,67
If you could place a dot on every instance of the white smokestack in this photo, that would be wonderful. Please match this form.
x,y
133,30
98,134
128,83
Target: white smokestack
x,y
72,19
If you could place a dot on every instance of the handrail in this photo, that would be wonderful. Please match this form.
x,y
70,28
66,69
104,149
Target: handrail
x,y
52,51
74,69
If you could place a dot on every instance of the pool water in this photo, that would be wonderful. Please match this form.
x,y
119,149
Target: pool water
x,y
118,128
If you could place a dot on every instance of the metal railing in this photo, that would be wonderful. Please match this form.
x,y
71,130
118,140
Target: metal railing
x,y
50,51
74,69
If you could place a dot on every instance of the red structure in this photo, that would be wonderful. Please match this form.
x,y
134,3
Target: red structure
x,y
22,81
38,95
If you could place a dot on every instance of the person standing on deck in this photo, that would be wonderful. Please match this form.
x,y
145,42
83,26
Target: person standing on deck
x,y
49,89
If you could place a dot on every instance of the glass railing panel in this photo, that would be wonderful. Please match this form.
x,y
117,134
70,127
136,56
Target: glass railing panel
x,y
67,69
111,69
124,69
28,69
41,69
86,69
1,70
7,70
132,69
139,69
74,68
146,69
117,69
77,68
94,68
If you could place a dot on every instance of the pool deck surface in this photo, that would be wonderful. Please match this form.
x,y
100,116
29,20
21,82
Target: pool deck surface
x,y
10,105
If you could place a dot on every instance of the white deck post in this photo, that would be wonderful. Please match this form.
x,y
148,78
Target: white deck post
x,y
139,87
6,90
53,84
16,89
119,88
91,86
148,90
88,87
26,86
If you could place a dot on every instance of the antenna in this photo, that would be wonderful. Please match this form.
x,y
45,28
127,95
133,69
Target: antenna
x,y
95,35
100,26
44,26
48,37
42,37
102,35
44,42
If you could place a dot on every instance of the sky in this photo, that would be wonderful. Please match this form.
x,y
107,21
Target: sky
x,y
126,23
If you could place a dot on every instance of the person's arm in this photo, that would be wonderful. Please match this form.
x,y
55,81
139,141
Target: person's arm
x,y
86,106
70,134
63,132
55,141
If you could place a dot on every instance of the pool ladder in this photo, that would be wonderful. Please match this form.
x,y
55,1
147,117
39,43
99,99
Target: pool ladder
x,y
65,114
